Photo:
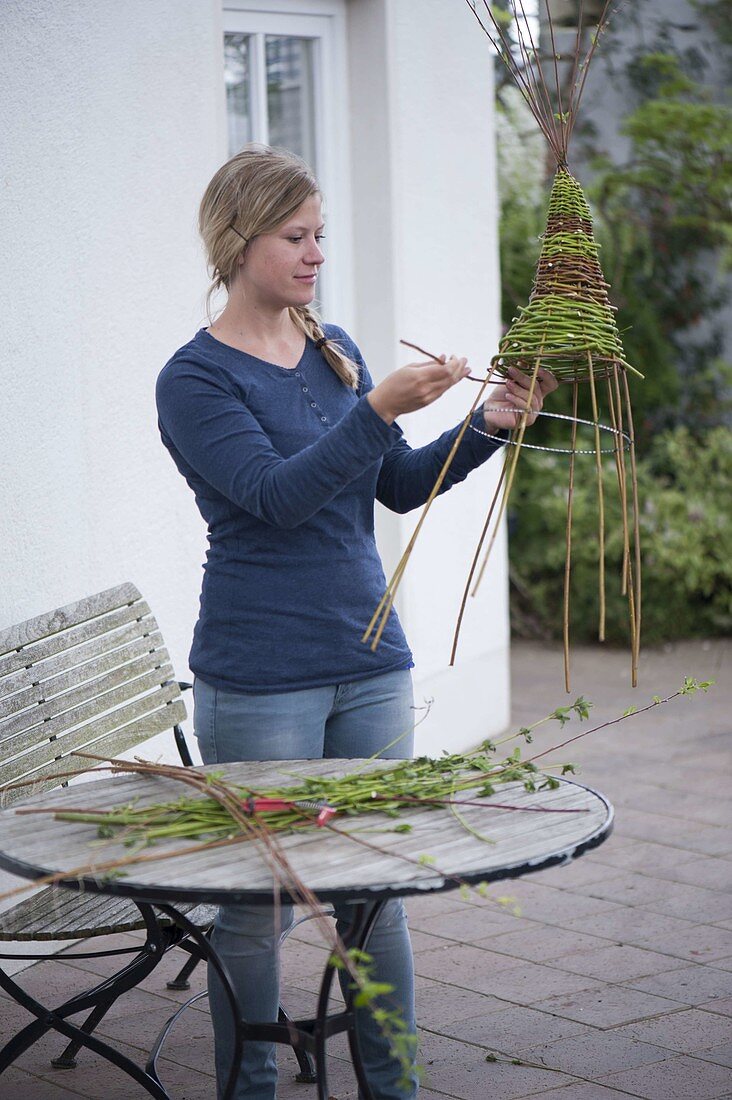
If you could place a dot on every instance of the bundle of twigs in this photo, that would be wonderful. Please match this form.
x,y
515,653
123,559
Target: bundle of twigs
x,y
567,326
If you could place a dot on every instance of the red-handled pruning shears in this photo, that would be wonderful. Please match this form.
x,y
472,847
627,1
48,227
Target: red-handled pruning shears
x,y
271,805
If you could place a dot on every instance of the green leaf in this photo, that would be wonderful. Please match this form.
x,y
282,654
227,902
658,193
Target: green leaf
x,y
561,715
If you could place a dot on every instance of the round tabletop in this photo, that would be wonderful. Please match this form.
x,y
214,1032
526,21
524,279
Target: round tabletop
x,y
509,834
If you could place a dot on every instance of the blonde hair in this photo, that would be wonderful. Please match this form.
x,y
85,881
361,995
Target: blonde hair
x,y
254,193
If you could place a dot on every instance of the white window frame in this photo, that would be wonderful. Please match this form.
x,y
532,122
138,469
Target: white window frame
x,y
323,21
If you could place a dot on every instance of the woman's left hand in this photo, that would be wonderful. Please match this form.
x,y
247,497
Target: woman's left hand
x,y
506,402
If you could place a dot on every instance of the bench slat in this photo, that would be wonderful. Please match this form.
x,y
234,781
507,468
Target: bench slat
x,y
18,656
64,712
99,725
109,745
61,914
70,659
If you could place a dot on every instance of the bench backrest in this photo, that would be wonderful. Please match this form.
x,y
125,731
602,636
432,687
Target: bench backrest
x,y
93,676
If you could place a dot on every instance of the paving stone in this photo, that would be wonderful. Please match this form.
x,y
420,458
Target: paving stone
x,y
616,963
298,1003
53,983
433,904
723,964
528,982
17,1085
594,1054
543,944
551,905
469,1077
721,1054
425,941
189,1042
439,1005
511,1029
711,841
299,959
698,943
523,983
310,984
691,985
639,855
708,871
633,888
93,1076
677,1078
679,832
579,872
681,803
12,1015
607,1006
678,899
462,964
626,924
469,925
583,1090
196,1053
686,1031
140,1030
722,1006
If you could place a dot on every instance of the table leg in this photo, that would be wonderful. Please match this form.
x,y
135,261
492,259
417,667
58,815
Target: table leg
x,y
241,1030
308,1035
365,916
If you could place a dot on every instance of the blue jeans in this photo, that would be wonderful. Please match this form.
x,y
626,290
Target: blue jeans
x,y
358,719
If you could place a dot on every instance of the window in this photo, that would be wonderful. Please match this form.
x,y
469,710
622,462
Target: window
x,y
284,74
279,73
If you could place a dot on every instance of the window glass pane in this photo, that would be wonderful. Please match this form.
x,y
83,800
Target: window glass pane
x,y
237,70
290,101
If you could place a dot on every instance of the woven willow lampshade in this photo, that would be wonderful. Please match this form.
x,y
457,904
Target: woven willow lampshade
x,y
568,326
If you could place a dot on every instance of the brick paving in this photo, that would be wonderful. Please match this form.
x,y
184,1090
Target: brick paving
x,y
616,978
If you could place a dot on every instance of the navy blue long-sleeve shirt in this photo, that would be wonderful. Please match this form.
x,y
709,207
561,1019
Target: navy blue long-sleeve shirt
x,y
285,465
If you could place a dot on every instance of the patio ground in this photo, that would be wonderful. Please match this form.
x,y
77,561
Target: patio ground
x,y
614,981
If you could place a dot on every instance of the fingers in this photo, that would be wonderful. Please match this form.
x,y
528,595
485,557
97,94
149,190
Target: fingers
x,y
443,373
545,380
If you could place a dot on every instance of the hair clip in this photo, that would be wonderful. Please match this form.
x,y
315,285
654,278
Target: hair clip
x,y
319,343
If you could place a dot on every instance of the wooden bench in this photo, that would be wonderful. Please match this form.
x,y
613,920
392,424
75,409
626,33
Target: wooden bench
x,y
95,677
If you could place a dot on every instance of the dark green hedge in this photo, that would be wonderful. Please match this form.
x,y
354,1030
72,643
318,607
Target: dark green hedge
x,y
686,538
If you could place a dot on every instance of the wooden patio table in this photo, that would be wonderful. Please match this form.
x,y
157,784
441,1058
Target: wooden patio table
x,y
514,832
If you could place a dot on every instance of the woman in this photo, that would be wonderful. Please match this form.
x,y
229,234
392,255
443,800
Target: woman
x,y
275,423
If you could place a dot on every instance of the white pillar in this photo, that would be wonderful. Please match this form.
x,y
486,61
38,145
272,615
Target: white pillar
x,y
426,269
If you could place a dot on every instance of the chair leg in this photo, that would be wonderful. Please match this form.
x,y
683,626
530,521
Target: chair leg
x,y
67,1059
99,1000
180,981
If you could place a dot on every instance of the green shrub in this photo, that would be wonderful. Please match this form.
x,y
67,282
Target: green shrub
x,y
686,541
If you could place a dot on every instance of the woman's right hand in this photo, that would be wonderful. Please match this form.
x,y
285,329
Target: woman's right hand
x,y
416,385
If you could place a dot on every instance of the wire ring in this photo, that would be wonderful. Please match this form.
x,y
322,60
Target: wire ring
x,y
559,450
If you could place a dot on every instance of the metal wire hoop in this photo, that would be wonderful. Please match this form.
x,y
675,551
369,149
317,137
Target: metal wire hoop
x,y
560,450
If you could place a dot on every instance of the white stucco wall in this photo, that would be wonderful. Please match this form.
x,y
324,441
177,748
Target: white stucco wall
x,y
426,245
111,123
